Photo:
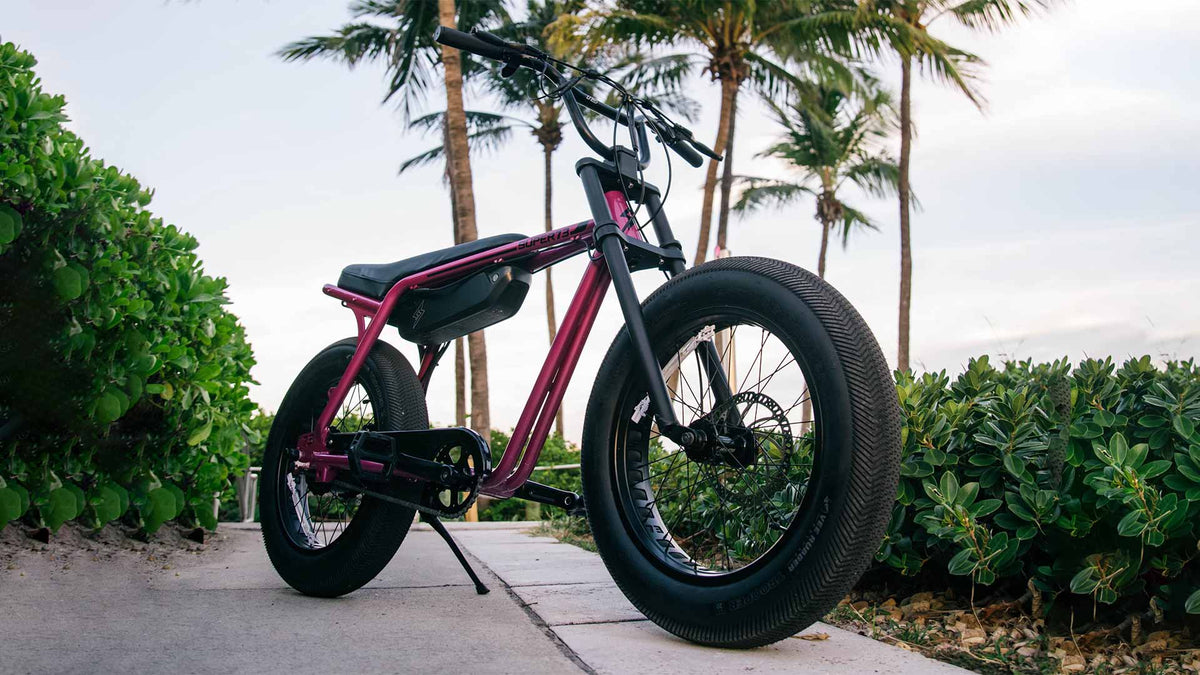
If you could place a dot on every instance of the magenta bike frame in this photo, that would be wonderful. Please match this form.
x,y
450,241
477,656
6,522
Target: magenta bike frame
x,y
535,253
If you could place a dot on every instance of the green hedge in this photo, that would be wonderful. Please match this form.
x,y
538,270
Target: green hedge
x,y
120,370
1084,480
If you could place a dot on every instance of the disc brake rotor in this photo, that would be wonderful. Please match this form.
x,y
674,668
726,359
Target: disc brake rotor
x,y
765,425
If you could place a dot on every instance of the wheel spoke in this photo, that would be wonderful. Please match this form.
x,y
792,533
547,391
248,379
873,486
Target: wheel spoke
x,y
320,519
721,507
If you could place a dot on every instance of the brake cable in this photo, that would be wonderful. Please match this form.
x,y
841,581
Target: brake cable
x,y
666,130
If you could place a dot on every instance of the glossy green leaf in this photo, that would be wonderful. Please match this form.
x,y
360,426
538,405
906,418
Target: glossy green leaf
x,y
1184,426
10,224
1192,605
107,504
10,505
1131,525
200,435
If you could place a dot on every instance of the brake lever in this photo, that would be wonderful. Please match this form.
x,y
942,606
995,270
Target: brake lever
x,y
510,66
703,149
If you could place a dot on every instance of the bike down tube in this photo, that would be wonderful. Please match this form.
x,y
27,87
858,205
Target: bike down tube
x,y
533,426
525,446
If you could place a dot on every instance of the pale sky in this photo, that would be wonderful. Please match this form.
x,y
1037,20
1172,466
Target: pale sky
x,y
1062,221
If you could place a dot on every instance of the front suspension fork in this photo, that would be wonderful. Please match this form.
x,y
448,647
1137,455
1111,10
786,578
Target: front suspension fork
x,y
609,213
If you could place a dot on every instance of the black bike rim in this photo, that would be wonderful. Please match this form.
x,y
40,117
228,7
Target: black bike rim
x,y
315,516
634,476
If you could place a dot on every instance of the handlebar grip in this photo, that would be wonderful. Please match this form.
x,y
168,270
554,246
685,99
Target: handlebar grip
x,y
688,154
469,43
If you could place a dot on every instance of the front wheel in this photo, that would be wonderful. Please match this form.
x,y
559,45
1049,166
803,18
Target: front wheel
x,y
758,534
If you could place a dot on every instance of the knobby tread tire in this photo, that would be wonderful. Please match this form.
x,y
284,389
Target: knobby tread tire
x,y
821,580
378,528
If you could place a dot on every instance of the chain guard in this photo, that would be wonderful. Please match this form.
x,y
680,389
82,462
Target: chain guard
x,y
460,450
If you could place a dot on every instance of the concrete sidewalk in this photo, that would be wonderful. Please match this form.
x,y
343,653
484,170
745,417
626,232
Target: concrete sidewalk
x,y
553,609
571,592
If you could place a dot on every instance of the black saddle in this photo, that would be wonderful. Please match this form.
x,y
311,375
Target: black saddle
x,y
376,280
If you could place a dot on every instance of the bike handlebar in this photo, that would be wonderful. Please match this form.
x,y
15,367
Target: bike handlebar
x,y
469,43
487,45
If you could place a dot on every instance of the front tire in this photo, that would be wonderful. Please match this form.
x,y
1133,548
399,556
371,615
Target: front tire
x,y
325,541
808,506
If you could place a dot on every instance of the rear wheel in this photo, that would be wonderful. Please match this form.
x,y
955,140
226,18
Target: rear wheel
x,y
758,534
325,540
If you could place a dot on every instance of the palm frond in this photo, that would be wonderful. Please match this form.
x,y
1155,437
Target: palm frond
x,y
400,35
992,15
350,44
853,219
476,121
759,193
877,176
483,141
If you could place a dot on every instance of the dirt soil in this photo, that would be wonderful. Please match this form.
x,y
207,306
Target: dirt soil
x,y
1003,637
72,545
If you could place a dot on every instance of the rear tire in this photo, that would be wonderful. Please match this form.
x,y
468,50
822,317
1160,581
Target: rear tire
x,y
308,560
839,512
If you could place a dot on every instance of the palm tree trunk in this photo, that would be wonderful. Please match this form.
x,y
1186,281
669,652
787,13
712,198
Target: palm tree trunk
x,y
903,190
460,384
464,198
806,410
824,249
551,321
728,87
727,176
460,363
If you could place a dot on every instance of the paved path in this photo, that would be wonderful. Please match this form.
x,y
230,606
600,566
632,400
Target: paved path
x,y
571,592
553,609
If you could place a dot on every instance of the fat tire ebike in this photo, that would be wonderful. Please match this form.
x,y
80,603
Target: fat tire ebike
x,y
740,447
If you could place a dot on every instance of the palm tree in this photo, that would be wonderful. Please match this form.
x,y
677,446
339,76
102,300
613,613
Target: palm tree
x,y
400,34
832,138
741,41
487,131
909,37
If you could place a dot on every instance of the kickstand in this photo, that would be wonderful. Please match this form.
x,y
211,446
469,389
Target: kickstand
x,y
441,529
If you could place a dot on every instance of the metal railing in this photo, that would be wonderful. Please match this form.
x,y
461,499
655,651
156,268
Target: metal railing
x,y
247,493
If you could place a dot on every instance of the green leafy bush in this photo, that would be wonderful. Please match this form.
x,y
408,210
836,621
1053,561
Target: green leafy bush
x,y
1083,480
119,365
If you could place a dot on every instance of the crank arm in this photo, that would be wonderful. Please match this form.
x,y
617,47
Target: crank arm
x,y
551,496
402,502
